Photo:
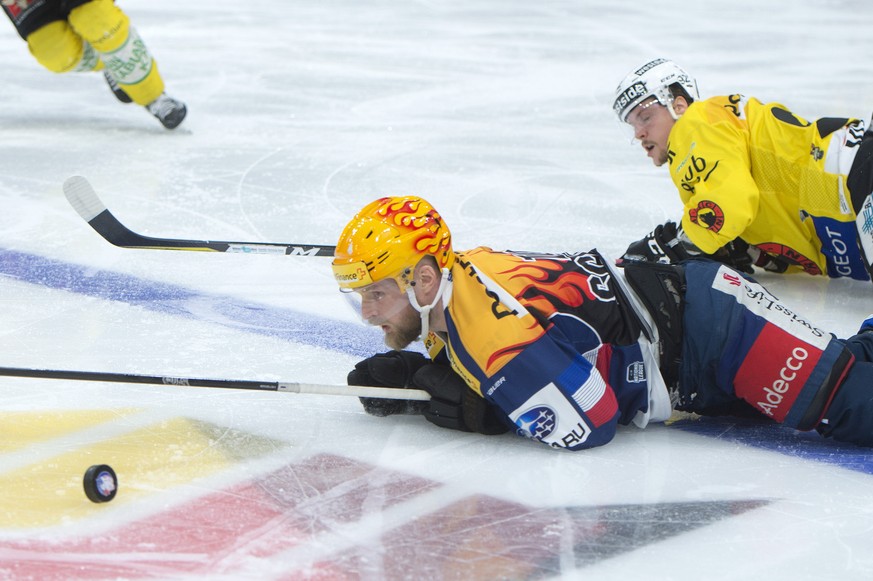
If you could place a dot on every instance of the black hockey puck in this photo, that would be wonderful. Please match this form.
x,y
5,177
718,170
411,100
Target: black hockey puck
x,y
100,483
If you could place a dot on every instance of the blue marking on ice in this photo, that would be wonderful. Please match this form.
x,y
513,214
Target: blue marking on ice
x,y
778,438
234,313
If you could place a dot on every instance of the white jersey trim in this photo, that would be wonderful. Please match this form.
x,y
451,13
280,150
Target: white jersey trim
x,y
660,405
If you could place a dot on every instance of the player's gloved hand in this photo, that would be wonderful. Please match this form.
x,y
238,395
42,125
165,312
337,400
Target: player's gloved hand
x,y
454,405
767,261
737,254
391,369
669,244
741,256
664,244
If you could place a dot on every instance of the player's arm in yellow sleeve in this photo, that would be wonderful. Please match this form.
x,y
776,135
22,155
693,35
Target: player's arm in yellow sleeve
x,y
711,169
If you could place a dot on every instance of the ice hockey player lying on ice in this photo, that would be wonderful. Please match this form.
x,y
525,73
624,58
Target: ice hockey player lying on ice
x,y
758,184
563,348
94,35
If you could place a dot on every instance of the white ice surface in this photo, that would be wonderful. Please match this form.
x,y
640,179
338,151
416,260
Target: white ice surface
x,y
498,112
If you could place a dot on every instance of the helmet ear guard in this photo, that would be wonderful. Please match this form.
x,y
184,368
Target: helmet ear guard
x,y
654,79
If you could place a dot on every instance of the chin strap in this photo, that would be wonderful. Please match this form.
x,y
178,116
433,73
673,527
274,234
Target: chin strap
x,y
426,309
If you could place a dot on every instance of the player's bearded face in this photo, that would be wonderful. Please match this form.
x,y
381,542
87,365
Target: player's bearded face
x,y
384,305
403,330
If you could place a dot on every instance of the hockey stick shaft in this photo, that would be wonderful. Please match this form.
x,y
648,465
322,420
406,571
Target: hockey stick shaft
x,y
306,388
85,201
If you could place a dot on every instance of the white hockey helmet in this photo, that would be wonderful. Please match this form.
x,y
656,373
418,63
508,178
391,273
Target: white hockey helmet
x,y
654,79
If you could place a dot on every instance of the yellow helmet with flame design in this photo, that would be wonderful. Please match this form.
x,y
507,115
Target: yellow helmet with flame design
x,y
387,238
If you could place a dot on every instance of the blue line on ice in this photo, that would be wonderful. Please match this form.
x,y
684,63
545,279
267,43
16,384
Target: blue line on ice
x,y
308,329
777,438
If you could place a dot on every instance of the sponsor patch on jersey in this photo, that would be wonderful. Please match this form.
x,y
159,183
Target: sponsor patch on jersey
x,y
760,303
537,423
550,417
707,215
774,371
839,244
636,372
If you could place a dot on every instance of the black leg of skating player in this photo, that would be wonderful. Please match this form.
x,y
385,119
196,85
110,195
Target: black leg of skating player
x,y
116,90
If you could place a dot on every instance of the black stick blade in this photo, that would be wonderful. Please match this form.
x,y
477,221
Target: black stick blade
x,y
88,205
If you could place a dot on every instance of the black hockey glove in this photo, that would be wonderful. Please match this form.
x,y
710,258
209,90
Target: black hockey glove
x,y
737,254
767,261
664,244
454,405
391,369
742,256
669,244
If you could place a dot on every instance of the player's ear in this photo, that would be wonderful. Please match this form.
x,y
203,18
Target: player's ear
x,y
427,276
680,105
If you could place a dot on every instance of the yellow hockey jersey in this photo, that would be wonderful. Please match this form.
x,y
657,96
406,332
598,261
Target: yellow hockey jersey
x,y
757,171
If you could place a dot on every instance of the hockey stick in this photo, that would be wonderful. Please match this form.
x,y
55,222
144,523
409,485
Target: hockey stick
x,y
84,200
309,388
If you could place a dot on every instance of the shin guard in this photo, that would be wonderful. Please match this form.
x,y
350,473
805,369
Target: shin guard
x,y
126,57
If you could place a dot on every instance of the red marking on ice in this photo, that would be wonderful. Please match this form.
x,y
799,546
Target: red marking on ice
x,y
216,533
244,531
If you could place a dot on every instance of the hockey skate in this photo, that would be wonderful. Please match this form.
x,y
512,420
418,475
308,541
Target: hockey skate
x,y
116,89
170,112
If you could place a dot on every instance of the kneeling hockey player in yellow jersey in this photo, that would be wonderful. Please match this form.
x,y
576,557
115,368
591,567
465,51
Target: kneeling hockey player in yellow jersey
x,y
94,35
759,184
